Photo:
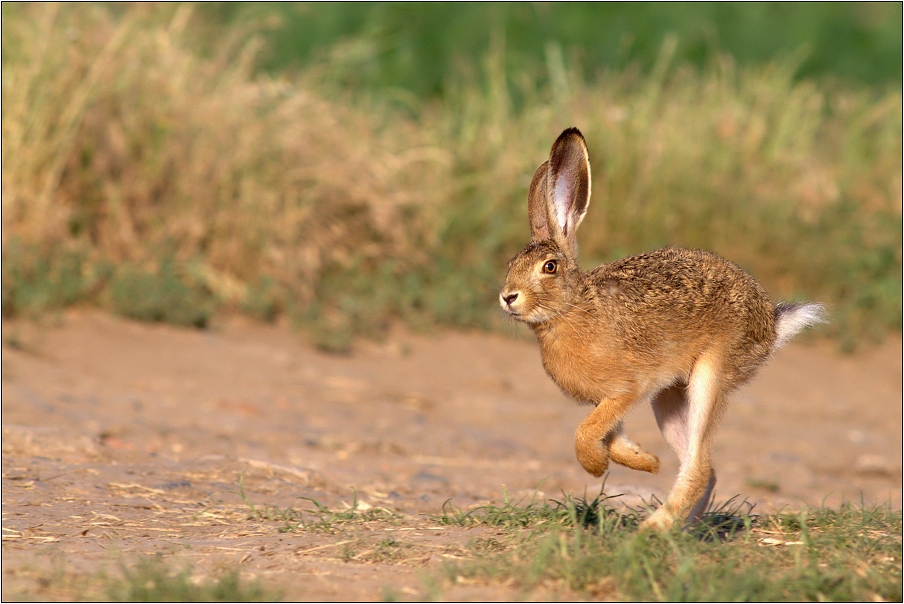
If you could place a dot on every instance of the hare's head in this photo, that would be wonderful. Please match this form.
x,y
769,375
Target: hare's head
x,y
543,276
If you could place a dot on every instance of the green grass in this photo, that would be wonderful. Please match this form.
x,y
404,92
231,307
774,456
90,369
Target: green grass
x,y
133,182
38,282
152,579
149,578
852,553
577,547
419,47
316,517
162,295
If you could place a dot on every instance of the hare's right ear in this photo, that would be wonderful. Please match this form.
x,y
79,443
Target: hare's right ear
x,y
567,187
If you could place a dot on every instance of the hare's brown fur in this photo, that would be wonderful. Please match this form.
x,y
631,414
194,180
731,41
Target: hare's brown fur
x,y
678,328
655,313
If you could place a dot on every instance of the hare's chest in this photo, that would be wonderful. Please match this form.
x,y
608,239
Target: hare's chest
x,y
582,367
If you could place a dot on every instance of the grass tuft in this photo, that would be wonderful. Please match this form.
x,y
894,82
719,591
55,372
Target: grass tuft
x,y
319,518
851,553
150,578
570,512
153,580
161,295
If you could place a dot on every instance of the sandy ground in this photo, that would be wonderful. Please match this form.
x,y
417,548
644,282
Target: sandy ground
x,y
121,439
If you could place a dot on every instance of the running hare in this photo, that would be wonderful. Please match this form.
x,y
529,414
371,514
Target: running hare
x,y
678,328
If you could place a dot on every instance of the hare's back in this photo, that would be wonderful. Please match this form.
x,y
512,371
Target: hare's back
x,y
675,291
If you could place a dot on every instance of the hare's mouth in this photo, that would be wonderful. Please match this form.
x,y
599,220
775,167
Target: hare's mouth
x,y
509,301
517,314
518,317
510,311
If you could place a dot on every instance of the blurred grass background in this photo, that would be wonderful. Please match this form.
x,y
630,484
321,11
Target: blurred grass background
x,y
350,165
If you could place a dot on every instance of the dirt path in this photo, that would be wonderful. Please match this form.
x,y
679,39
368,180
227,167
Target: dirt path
x,y
122,439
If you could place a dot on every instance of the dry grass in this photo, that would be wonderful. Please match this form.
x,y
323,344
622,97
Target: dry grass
x,y
166,182
128,146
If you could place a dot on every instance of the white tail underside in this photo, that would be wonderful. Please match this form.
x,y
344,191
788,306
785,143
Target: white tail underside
x,y
791,318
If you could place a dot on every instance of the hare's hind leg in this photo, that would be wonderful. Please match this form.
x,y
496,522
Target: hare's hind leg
x,y
671,410
687,418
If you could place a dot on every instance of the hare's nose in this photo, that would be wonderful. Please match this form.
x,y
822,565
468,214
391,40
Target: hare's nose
x,y
510,298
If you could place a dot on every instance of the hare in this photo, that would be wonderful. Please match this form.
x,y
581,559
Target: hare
x,y
677,328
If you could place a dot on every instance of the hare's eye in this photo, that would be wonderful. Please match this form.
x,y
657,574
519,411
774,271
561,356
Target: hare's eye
x,y
550,267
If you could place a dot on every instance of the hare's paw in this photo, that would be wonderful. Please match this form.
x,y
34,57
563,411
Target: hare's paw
x,y
626,453
592,454
661,521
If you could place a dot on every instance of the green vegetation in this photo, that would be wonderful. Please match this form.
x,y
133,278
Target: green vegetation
x,y
161,295
317,518
419,47
592,548
154,580
150,578
150,167
569,549
853,553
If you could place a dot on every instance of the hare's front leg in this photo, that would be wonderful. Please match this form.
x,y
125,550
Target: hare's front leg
x,y
600,437
629,454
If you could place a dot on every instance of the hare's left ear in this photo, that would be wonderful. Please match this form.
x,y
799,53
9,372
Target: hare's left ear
x,y
537,208
567,188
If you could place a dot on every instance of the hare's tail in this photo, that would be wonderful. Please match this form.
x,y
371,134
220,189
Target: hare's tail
x,y
792,317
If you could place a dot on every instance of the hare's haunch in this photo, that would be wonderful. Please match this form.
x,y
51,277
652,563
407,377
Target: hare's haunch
x,y
677,328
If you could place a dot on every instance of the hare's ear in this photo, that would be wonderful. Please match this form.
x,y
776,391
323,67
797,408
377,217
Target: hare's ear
x,y
567,187
537,210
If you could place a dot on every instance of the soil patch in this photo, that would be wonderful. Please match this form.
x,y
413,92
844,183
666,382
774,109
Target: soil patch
x,y
122,439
